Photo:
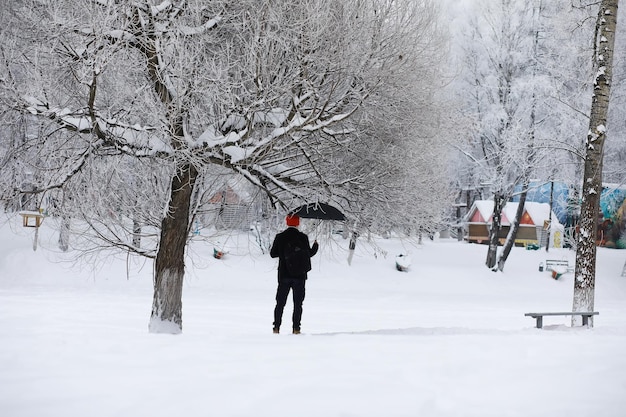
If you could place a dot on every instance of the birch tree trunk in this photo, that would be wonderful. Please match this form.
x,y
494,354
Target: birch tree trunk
x,y
584,282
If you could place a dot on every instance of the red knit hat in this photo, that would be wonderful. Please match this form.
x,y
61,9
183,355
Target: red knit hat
x,y
293,220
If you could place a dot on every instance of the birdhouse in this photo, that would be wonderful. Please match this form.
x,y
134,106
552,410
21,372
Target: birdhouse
x,y
32,218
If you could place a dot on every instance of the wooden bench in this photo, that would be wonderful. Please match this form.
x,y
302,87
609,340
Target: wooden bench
x,y
563,263
584,314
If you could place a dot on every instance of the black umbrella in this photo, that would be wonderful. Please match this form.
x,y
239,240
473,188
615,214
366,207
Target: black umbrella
x,y
320,211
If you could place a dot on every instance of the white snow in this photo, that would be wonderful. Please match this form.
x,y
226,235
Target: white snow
x,y
447,338
163,326
155,10
276,117
209,24
236,153
122,35
600,73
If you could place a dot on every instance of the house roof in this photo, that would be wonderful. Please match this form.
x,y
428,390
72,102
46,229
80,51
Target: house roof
x,y
226,196
534,213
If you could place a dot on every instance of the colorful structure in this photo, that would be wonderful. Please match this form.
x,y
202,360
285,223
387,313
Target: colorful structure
x,y
534,224
543,192
611,223
612,229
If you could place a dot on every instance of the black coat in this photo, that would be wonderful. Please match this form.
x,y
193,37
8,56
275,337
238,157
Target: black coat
x,y
291,234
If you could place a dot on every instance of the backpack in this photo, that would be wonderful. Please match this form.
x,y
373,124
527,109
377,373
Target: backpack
x,y
297,259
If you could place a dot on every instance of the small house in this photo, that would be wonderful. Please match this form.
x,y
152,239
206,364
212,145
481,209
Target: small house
x,y
534,224
231,207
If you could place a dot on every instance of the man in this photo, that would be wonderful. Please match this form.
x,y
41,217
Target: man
x,y
291,247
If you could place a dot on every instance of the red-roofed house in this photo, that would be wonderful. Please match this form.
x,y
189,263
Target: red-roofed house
x,y
533,224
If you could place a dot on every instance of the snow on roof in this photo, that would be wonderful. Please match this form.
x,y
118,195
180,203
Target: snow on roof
x,y
485,207
538,212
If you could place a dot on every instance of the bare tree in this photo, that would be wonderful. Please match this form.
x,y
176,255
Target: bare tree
x,y
398,167
604,41
499,90
527,167
167,90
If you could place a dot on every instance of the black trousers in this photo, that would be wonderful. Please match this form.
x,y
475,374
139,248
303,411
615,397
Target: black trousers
x,y
297,286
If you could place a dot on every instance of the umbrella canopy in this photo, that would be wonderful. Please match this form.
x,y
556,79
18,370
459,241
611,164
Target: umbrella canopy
x,y
320,211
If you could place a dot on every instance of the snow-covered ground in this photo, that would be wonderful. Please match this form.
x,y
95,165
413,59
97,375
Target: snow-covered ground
x,y
446,338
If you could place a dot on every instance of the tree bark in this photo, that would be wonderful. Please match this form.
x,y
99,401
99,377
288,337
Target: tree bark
x,y
550,216
169,267
584,282
494,231
510,239
136,232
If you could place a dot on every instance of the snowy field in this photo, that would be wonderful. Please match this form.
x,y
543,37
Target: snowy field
x,y
447,338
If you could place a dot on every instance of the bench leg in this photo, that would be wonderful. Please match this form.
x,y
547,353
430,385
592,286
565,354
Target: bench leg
x,y
539,322
585,320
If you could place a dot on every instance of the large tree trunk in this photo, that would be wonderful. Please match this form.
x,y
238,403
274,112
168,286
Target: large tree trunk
x,y
169,267
510,239
494,231
584,282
